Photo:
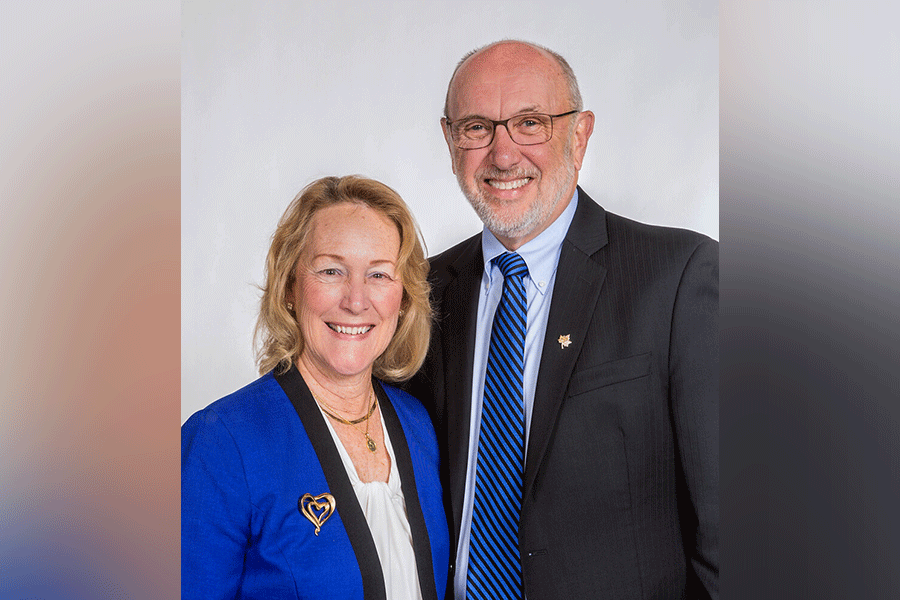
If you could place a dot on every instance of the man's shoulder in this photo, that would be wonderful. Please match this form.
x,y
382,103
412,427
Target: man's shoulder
x,y
447,264
450,255
596,229
619,226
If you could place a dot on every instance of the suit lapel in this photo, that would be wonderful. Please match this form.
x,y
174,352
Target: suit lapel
x,y
460,307
579,279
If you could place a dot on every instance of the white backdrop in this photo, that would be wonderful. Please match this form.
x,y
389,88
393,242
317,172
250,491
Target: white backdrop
x,y
276,94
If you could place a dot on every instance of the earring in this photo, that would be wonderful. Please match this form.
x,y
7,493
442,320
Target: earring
x,y
290,306
401,312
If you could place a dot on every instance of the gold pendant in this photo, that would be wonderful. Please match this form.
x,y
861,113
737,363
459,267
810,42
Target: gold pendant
x,y
370,444
323,502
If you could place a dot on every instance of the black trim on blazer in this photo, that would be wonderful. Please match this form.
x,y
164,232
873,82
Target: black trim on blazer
x,y
338,482
420,540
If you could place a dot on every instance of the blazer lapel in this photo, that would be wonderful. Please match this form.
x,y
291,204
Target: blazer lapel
x,y
348,508
575,292
460,307
420,541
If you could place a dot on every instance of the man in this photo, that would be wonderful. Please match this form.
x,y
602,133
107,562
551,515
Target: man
x,y
608,387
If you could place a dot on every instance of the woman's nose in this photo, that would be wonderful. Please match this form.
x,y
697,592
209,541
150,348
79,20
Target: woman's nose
x,y
356,298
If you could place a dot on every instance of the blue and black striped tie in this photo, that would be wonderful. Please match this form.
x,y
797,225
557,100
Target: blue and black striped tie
x,y
495,570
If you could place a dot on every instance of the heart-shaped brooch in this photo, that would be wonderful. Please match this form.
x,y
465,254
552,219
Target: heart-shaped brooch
x,y
317,509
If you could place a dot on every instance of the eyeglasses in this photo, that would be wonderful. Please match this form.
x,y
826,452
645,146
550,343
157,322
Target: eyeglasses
x,y
526,130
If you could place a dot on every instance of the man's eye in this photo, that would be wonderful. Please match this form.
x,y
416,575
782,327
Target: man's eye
x,y
530,124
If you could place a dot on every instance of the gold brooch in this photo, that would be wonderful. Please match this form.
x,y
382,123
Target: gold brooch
x,y
564,341
317,509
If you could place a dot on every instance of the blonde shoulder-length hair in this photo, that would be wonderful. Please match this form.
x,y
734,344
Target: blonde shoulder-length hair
x,y
278,338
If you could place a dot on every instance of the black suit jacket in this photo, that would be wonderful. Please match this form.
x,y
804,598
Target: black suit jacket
x,y
621,477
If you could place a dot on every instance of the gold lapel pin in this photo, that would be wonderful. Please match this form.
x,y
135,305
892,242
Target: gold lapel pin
x,y
317,509
564,341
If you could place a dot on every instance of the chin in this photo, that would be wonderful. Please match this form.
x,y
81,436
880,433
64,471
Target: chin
x,y
348,371
349,366
508,220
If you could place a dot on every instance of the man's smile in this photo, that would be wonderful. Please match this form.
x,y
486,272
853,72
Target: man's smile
x,y
507,185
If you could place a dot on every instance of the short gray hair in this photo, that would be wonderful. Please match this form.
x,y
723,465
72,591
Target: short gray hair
x,y
568,73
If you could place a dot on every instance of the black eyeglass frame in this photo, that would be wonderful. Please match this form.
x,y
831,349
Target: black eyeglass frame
x,y
504,122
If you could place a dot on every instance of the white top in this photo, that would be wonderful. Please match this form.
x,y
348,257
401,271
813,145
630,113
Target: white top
x,y
385,510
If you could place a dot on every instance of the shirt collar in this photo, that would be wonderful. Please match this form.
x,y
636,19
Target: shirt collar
x,y
541,254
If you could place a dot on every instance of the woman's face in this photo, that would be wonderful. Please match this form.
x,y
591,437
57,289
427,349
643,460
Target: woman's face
x,y
347,290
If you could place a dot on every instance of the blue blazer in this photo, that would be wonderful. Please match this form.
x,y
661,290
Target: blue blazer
x,y
247,459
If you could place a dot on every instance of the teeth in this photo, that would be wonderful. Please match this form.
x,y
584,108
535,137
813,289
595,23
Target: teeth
x,y
350,330
508,185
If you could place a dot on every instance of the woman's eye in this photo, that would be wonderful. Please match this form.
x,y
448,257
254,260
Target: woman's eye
x,y
330,272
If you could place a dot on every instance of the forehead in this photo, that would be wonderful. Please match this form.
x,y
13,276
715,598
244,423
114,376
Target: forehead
x,y
359,224
506,80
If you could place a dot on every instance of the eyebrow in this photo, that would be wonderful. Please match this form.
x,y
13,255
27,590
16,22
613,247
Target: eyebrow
x,y
522,111
340,258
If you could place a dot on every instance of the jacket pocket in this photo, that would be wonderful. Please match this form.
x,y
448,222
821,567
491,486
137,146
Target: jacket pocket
x,y
609,373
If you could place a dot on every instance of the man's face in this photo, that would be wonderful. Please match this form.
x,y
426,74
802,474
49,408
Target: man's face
x,y
516,190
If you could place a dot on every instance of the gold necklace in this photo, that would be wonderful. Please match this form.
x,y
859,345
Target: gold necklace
x,y
370,443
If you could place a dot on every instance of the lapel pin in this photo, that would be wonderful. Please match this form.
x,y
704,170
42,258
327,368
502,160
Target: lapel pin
x,y
317,509
564,341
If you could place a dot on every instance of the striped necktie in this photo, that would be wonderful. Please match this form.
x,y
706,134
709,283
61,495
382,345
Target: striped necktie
x,y
495,570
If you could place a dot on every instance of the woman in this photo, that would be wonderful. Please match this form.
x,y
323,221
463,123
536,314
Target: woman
x,y
318,480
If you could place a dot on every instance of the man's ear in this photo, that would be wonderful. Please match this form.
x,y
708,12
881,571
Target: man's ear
x,y
449,141
584,127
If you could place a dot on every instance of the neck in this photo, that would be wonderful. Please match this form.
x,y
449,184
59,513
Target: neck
x,y
350,395
514,243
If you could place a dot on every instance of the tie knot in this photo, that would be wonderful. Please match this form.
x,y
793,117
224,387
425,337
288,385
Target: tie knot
x,y
511,264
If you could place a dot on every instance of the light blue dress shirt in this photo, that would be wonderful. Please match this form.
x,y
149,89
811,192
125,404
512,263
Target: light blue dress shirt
x,y
542,257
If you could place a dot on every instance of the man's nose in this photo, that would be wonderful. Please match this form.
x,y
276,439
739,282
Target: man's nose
x,y
505,153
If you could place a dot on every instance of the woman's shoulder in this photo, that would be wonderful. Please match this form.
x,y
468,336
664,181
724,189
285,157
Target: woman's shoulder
x,y
397,395
416,424
255,402
405,403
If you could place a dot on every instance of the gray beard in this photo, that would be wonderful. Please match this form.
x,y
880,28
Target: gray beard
x,y
536,214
